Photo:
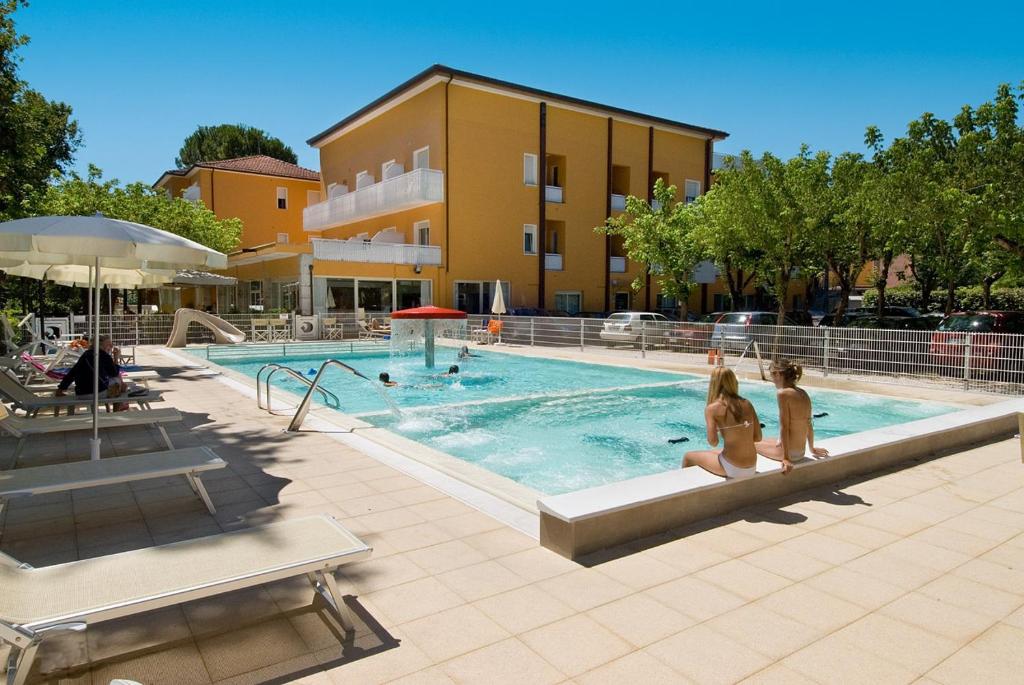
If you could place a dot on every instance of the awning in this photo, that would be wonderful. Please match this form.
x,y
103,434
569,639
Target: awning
x,y
190,277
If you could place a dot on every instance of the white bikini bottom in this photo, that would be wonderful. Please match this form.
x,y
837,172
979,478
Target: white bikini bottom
x,y
733,471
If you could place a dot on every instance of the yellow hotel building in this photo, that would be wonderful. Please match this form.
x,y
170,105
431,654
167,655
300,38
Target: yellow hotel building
x,y
453,180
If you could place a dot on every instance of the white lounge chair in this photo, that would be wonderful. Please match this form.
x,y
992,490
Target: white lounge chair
x,y
31,403
367,333
37,602
23,428
39,480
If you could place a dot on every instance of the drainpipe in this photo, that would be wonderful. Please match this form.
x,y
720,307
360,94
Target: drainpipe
x,y
542,180
650,198
312,305
447,195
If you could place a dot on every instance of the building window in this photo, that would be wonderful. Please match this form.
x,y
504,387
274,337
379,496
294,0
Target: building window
x,y
421,158
692,190
571,302
312,197
421,232
282,238
364,179
529,239
282,198
256,294
530,169
621,302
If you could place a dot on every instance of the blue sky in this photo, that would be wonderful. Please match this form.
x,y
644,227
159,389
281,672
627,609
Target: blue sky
x,y
142,75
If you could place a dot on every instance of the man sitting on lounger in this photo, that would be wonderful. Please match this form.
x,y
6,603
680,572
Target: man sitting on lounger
x,y
81,374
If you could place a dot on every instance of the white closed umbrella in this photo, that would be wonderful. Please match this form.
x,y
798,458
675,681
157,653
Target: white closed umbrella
x,y
498,305
103,244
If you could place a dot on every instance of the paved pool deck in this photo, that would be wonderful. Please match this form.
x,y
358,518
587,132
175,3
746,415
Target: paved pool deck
x,y
914,574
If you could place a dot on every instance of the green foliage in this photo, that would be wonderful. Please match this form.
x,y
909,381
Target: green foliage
x,y
966,298
37,136
74,195
227,141
663,238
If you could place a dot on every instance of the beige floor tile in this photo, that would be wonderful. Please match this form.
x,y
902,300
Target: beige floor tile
x,y
481,580
858,534
449,633
421,493
688,652
153,629
240,651
995,657
900,518
414,537
932,556
746,580
377,574
584,589
509,661
391,519
413,600
946,537
938,617
1016,619
227,611
466,525
686,555
640,619
835,660
537,564
499,542
445,556
787,563
377,667
968,594
639,571
428,676
765,529
638,667
731,543
823,547
812,607
766,632
438,508
1008,577
523,609
901,643
576,644
899,571
865,591
178,665
777,674
301,669
695,597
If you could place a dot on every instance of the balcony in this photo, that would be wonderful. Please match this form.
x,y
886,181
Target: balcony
x,y
364,252
618,203
617,265
552,262
553,194
412,189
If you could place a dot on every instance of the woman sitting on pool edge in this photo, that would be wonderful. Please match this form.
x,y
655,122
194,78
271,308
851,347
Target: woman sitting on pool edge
x,y
736,418
796,432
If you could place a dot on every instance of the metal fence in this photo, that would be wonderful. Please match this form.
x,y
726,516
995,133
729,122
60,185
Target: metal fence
x,y
989,362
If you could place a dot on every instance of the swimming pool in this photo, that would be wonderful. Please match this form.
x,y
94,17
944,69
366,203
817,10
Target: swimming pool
x,y
556,426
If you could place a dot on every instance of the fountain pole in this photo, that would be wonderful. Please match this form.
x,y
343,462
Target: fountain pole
x,y
428,343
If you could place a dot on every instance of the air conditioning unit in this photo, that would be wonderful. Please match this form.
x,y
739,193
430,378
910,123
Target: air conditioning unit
x,y
307,328
55,328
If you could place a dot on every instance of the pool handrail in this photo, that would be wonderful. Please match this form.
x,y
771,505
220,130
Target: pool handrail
x,y
274,368
300,413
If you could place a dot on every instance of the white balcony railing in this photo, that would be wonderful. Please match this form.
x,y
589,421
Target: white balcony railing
x,y
618,203
553,262
412,189
617,265
375,253
552,194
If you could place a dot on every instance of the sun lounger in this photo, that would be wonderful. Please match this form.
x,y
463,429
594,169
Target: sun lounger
x,y
367,333
23,428
31,403
39,480
38,602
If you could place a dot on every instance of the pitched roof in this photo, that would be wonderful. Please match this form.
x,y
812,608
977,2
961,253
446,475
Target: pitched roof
x,y
252,164
443,71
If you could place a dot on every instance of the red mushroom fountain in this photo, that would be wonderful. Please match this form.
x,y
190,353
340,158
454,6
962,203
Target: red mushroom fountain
x,y
428,319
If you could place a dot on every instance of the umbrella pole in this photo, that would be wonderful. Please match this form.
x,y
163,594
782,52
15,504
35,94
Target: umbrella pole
x,y
88,319
94,444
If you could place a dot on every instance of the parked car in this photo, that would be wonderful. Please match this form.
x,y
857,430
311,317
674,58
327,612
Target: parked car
x,y
734,330
625,327
991,349
857,346
693,336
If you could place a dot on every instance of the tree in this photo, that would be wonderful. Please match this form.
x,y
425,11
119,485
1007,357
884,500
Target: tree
x,y
227,141
664,238
74,195
37,136
847,237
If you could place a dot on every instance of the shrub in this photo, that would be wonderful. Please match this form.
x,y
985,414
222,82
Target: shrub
x,y
967,298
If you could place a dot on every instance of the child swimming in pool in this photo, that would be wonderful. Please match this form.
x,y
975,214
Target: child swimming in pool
x,y
736,419
796,432
385,378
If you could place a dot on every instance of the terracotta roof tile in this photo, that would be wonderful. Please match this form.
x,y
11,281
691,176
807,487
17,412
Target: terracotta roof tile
x,y
262,164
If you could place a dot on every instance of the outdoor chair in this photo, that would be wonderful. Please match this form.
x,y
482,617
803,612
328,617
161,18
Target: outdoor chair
x,y
280,330
39,602
367,333
479,335
261,330
23,398
24,428
190,462
332,329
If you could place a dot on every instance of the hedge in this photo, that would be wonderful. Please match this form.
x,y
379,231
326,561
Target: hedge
x,y
967,298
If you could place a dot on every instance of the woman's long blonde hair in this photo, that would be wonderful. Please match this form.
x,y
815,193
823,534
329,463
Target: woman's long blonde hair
x,y
724,386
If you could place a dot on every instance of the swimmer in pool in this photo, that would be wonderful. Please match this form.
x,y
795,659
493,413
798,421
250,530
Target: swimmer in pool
x,y
385,378
796,432
464,353
736,419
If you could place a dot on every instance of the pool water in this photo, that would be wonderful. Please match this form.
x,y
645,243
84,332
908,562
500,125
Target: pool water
x,y
558,426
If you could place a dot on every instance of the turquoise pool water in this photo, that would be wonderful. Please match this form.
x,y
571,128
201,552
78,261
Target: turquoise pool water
x,y
558,426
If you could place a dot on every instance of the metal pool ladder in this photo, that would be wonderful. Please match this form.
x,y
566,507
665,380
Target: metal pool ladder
x,y
330,399
300,413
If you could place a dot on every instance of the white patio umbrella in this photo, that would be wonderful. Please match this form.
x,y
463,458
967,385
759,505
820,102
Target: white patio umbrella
x,y
102,244
498,305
